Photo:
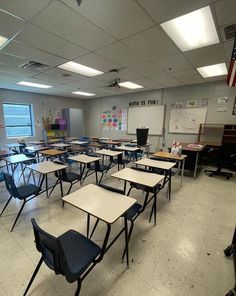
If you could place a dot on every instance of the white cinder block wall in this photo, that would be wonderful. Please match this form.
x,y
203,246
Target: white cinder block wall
x,y
41,105
94,108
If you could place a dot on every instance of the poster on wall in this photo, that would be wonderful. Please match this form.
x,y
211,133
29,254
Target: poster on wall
x,y
114,119
222,104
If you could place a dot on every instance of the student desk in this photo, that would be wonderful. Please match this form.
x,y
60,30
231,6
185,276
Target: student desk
x,y
4,153
77,148
193,151
45,168
40,142
16,159
169,156
60,145
14,146
110,143
36,149
132,150
79,142
104,205
52,153
150,180
163,165
85,160
109,153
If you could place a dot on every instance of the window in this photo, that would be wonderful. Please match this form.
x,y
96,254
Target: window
x,y
18,120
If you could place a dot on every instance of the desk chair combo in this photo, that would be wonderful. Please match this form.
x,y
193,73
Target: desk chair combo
x,y
23,192
224,156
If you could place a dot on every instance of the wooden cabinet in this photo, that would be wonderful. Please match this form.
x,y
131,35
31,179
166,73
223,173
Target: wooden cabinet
x,y
217,134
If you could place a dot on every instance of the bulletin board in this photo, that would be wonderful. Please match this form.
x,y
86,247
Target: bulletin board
x,y
186,120
114,119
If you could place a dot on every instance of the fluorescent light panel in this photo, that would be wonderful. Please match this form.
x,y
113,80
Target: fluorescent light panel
x,y
193,30
3,41
31,84
83,93
80,69
213,70
130,85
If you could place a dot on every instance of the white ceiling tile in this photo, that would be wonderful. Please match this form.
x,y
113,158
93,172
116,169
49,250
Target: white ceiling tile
x,y
9,25
226,12
64,22
205,56
6,59
193,79
184,74
43,40
176,62
97,62
166,80
119,18
147,69
17,71
152,44
20,50
228,48
92,82
121,54
162,11
63,74
24,8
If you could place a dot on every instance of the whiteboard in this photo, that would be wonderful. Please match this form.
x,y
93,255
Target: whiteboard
x,y
151,117
186,121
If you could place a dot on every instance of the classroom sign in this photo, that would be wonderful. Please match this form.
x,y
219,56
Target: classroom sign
x,y
113,120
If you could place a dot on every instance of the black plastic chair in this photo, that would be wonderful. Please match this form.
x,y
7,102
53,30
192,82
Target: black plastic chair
x,y
23,192
71,254
64,176
225,156
101,168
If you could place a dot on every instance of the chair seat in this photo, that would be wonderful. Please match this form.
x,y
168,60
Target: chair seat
x,y
133,211
1,177
79,252
101,168
27,190
144,188
72,176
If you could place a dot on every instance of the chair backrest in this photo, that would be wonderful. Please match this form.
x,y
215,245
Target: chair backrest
x,y
1,176
10,184
50,249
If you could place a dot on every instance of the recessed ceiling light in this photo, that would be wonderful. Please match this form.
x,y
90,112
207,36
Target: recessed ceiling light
x,y
131,85
213,70
80,69
83,93
31,84
193,30
3,41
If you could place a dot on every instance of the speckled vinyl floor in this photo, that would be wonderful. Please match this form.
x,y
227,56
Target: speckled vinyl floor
x,y
181,256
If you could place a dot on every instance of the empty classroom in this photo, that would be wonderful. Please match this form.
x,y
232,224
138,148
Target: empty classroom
x,y
118,147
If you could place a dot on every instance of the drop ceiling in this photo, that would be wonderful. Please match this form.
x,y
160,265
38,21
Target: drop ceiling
x,y
105,35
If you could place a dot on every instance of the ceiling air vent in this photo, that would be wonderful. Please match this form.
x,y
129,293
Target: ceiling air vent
x,y
31,65
230,31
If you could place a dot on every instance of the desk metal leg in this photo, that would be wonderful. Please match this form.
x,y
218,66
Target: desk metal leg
x,y
126,241
182,172
22,169
46,181
195,166
88,224
169,184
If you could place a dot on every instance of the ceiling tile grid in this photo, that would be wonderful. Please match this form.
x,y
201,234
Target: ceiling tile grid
x,y
104,34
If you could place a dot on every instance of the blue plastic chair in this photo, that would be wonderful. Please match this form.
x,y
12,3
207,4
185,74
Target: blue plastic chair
x,y
23,192
71,254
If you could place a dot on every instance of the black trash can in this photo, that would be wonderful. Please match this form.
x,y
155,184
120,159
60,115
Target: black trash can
x,y
142,135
